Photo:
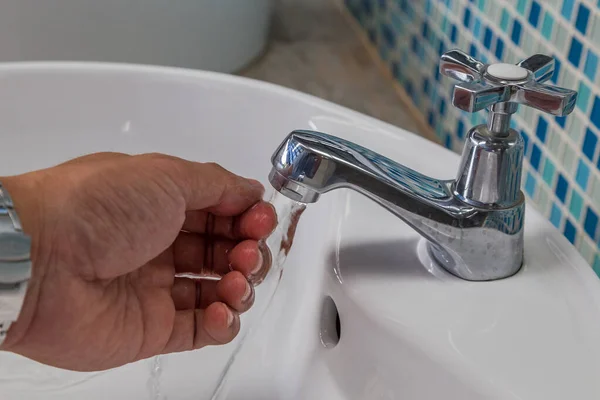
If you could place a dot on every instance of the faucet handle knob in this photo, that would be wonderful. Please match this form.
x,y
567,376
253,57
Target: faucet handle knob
x,y
483,85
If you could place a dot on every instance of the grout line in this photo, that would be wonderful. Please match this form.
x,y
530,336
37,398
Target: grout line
x,y
424,129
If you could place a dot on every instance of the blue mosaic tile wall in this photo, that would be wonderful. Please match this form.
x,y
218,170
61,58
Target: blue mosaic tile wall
x,y
561,175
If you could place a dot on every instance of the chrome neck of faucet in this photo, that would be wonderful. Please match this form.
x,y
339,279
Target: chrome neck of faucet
x,y
474,242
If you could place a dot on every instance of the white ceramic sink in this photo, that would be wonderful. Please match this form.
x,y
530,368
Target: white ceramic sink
x,y
408,330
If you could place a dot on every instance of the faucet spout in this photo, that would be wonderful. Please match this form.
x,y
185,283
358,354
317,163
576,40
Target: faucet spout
x,y
472,241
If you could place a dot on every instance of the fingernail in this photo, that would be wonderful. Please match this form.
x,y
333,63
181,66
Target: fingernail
x,y
230,317
259,273
276,219
259,263
248,294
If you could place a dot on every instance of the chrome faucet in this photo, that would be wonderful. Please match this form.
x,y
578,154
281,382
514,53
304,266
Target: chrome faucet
x,y
473,224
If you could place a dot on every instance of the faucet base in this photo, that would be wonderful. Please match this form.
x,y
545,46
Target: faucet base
x,y
461,270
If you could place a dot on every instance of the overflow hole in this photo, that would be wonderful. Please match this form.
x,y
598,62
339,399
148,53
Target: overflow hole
x,y
331,326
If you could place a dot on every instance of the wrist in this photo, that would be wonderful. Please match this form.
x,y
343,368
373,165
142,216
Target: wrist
x,y
22,296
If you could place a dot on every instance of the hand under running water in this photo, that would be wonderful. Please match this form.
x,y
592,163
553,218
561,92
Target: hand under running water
x,y
109,232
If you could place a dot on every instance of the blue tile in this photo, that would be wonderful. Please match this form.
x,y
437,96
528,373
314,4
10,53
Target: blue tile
x,y
404,6
596,265
408,86
534,13
582,175
487,38
499,49
473,50
521,6
442,48
525,143
388,35
448,141
542,129
583,15
442,107
460,129
536,157
591,223
382,4
453,33
547,26
428,5
426,86
414,44
477,27
555,215
570,231
583,97
431,118
575,52
590,141
557,66
516,32
425,30
367,8
467,17
504,19
567,9
530,185
561,188
562,121
595,116
444,24
591,65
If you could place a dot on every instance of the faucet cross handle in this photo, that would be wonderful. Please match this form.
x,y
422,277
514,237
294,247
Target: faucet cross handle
x,y
486,85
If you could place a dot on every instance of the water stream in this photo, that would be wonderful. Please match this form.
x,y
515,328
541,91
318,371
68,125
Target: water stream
x,y
279,243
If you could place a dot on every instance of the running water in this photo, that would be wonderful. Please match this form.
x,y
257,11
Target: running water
x,y
154,381
279,243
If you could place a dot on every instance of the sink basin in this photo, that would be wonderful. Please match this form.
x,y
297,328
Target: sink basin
x,y
406,329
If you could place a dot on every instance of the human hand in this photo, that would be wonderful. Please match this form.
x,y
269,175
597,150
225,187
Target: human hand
x,y
109,231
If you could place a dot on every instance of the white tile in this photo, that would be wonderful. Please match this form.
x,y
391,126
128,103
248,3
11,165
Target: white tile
x,y
587,249
560,37
575,131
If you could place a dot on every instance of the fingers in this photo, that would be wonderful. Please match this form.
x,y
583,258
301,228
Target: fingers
x,y
252,259
194,329
255,223
233,289
200,255
208,185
